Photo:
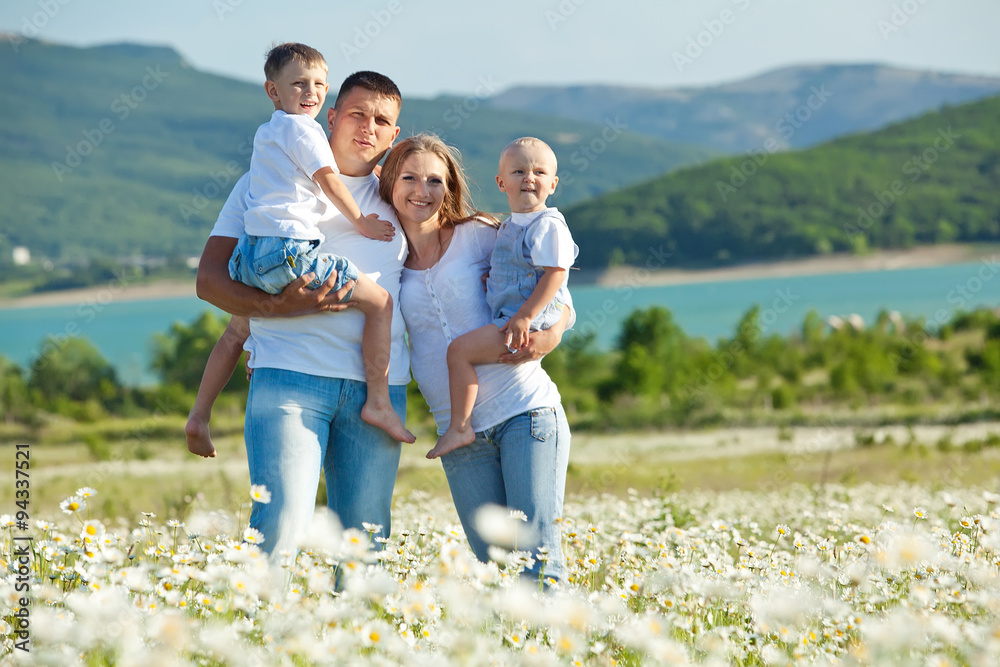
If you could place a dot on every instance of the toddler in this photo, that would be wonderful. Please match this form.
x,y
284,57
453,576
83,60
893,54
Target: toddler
x,y
526,288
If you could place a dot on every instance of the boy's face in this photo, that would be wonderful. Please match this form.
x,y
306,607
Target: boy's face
x,y
299,89
528,176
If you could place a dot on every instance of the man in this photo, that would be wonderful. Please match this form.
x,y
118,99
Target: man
x,y
308,386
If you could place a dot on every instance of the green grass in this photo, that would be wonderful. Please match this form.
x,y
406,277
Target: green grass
x,y
153,471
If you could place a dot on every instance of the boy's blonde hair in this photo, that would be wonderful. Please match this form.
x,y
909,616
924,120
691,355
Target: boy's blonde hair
x,y
282,54
457,207
526,142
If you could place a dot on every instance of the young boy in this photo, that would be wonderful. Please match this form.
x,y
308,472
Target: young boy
x,y
291,164
526,288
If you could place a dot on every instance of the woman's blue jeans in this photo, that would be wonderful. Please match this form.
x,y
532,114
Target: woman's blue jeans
x,y
299,424
521,464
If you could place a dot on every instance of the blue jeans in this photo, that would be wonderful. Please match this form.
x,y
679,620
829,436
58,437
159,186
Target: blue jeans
x,y
297,424
521,464
269,263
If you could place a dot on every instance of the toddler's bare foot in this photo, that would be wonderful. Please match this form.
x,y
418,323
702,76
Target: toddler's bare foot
x,y
198,437
451,440
387,420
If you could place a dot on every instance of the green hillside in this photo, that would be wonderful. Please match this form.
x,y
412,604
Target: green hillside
x,y
929,180
126,150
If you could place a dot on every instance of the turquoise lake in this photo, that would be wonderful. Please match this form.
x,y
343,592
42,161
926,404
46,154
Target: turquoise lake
x,y
124,331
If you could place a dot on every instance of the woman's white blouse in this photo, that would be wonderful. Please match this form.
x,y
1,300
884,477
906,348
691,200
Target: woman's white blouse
x,y
442,303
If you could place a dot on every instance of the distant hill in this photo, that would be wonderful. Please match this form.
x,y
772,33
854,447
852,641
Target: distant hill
x,y
126,149
796,106
928,180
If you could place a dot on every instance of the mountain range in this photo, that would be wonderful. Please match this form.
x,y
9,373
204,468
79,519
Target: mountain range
x,y
126,149
794,106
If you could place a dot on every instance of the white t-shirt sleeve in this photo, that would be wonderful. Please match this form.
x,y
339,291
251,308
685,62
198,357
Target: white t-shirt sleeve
x,y
303,141
486,238
550,243
230,221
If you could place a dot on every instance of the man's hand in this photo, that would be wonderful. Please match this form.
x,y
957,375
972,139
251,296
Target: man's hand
x,y
298,299
215,286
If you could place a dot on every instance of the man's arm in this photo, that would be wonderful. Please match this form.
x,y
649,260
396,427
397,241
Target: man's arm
x,y
216,287
540,343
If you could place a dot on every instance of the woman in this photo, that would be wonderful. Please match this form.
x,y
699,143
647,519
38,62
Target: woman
x,y
521,451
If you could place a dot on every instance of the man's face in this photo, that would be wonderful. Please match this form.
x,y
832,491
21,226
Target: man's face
x,y
362,129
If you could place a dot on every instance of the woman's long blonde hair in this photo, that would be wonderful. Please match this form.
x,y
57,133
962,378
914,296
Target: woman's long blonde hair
x,y
457,207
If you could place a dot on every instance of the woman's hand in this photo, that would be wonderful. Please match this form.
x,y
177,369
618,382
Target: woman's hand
x,y
540,343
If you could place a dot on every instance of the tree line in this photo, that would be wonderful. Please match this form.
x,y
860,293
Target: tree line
x,y
655,376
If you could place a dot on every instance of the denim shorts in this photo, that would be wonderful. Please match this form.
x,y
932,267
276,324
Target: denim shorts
x,y
269,263
552,313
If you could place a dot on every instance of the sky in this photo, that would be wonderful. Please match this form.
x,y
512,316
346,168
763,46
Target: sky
x,y
432,47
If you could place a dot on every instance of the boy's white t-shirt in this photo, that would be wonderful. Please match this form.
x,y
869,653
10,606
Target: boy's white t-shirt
x,y
283,199
549,241
329,344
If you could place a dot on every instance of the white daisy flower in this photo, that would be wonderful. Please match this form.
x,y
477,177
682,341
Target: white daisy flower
x,y
260,494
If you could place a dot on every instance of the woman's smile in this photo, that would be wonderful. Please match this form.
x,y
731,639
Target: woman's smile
x,y
420,187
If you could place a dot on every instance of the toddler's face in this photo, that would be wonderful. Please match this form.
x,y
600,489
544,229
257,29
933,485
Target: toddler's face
x,y
528,176
299,89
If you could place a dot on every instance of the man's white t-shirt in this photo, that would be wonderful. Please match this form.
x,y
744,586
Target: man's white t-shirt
x,y
283,198
329,344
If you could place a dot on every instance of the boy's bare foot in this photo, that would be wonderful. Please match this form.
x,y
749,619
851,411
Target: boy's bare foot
x,y
198,438
387,420
451,440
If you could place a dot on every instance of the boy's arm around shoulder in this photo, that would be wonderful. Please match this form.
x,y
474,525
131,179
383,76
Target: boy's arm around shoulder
x,y
337,192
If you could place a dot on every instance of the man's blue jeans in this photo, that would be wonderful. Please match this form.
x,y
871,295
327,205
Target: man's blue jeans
x,y
521,464
298,424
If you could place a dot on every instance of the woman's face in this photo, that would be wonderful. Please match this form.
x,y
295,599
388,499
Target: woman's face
x,y
420,188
